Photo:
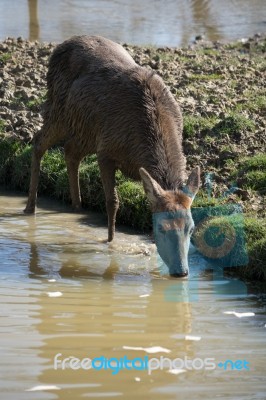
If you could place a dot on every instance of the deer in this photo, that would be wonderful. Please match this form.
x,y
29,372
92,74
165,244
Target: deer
x,y
100,101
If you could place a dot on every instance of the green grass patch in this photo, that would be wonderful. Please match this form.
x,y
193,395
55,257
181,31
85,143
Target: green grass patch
x,y
244,247
52,164
234,46
253,104
91,187
251,173
195,125
210,52
257,162
8,153
206,77
255,233
234,125
134,209
256,180
204,200
5,57
20,176
35,104
2,126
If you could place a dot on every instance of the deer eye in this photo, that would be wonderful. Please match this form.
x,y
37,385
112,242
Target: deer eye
x,y
161,228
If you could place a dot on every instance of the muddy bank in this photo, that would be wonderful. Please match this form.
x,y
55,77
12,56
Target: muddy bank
x,y
221,89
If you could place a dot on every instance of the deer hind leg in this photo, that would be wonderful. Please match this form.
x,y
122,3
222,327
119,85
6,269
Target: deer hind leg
x,y
74,153
107,170
44,139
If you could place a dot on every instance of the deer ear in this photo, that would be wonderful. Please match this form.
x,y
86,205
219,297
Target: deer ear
x,y
193,183
152,188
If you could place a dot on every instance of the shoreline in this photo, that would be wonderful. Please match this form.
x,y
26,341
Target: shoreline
x,y
221,90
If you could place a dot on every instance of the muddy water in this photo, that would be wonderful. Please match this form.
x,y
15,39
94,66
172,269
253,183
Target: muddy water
x,y
171,22
64,290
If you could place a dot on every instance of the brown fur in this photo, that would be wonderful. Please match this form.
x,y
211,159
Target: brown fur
x,y
172,201
100,101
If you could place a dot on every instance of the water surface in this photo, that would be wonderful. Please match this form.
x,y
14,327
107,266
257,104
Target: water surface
x,y
64,290
169,22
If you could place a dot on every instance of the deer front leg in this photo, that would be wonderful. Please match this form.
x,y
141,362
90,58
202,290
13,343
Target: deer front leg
x,y
44,139
107,170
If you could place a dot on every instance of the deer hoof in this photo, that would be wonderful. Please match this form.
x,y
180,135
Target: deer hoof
x,y
29,210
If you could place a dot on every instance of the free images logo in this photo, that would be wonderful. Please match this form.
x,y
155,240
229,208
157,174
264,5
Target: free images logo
x,y
230,365
115,365
219,241
219,235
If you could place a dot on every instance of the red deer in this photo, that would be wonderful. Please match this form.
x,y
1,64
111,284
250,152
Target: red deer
x,y
100,101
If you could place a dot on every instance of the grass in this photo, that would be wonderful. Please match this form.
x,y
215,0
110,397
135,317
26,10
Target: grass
x,y
8,153
238,240
52,164
206,77
234,125
239,46
253,103
196,125
92,192
2,126
19,178
234,46
134,209
210,52
257,162
34,105
256,180
164,57
251,173
255,234
4,58
204,200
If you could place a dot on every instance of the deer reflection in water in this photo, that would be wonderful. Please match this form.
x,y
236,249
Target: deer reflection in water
x,y
34,27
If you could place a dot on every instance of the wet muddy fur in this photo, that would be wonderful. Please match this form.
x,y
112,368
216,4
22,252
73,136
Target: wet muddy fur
x,y
100,101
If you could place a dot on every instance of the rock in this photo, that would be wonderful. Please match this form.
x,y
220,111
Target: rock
x,y
22,93
199,37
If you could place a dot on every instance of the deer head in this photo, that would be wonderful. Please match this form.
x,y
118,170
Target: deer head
x,y
172,220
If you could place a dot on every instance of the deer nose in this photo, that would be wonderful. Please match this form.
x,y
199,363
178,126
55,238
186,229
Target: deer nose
x,y
179,275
